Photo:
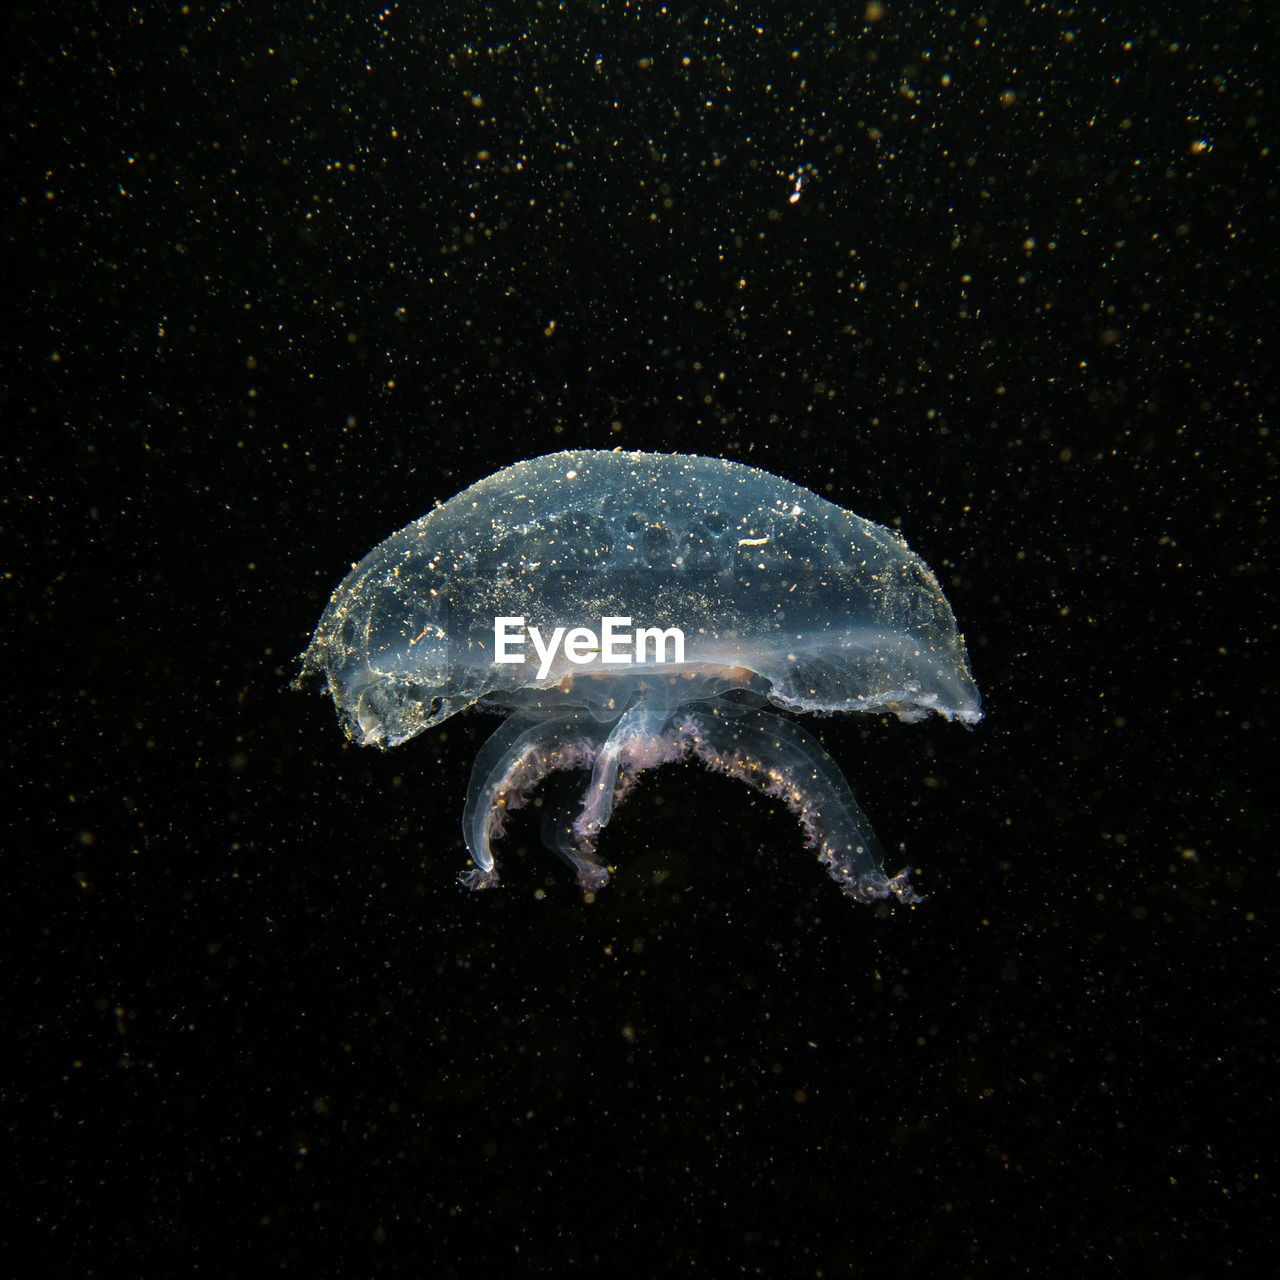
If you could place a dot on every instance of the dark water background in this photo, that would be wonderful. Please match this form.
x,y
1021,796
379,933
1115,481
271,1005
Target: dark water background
x,y
280,278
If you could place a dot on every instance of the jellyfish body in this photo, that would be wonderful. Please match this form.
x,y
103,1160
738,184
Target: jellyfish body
x,y
628,610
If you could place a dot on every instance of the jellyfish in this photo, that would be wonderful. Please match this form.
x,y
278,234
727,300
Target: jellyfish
x,y
627,610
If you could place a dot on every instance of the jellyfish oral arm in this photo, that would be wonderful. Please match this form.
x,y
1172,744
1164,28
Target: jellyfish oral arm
x,y
779,758
509,767
527,750
637,742
772,754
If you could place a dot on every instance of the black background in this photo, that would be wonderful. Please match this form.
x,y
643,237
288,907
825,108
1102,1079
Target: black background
x,y
282,277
